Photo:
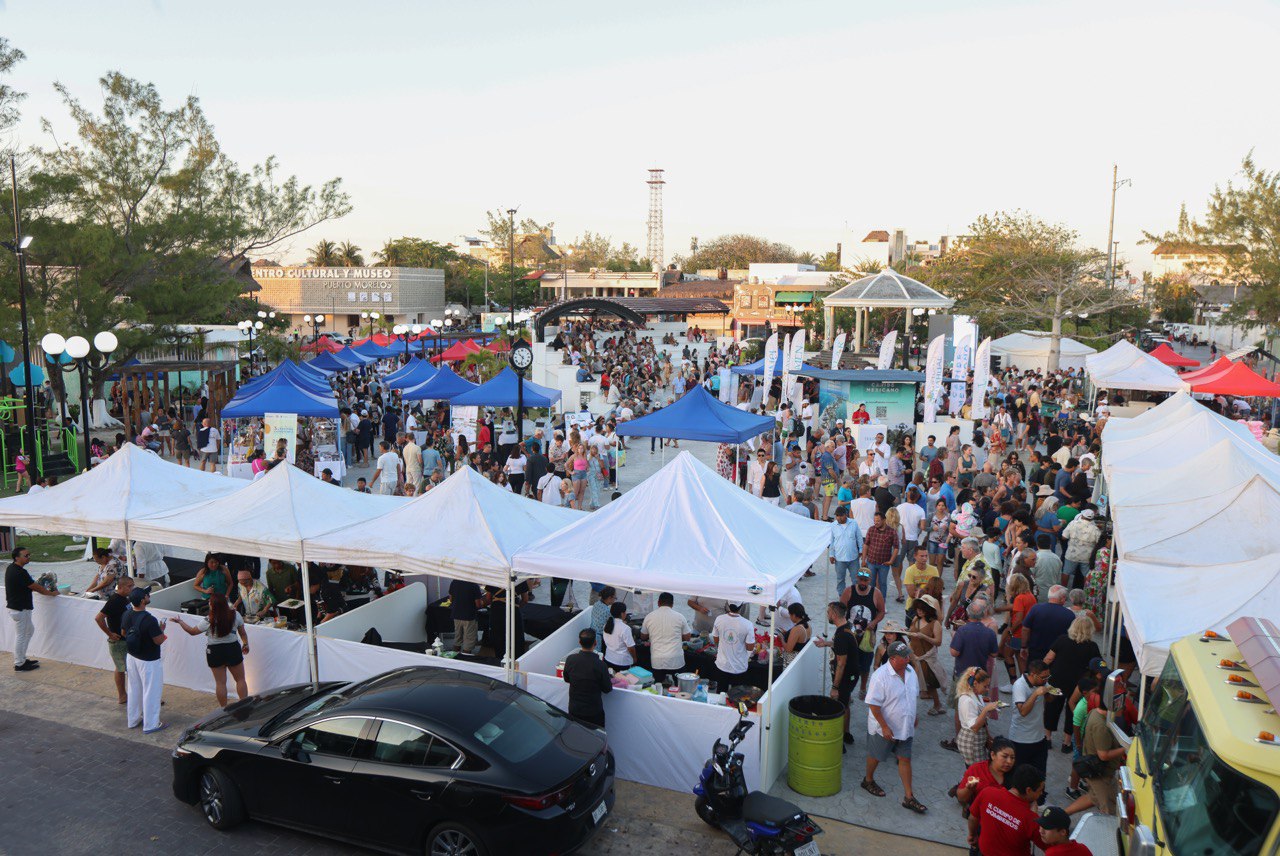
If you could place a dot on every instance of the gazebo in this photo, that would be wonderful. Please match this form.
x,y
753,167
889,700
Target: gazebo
x,y
885,290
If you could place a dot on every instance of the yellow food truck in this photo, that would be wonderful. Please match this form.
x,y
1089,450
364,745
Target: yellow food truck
x,y
1202,774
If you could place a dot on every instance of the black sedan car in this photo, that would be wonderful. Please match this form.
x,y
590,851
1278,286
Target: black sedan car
x,y
417,760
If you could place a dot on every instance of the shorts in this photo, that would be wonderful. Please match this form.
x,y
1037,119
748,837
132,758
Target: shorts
x,y
119,650
1015,643
1104,791
844,691
936,549
881,748
579,475
829,488
208,457
224,654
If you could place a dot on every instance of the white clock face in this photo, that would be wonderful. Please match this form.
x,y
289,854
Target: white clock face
x,y
522,358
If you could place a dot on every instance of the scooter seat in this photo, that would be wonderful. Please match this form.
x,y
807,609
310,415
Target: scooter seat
x,y
761,808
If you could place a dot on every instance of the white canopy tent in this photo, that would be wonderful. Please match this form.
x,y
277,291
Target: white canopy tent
x,y
1223,465
1175,407
269,517
685,530
466,527
1162,447
1124,366
103,502
1222,527
1030,350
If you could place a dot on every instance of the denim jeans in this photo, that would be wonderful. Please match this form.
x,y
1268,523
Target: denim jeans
x,y
843,568
880,577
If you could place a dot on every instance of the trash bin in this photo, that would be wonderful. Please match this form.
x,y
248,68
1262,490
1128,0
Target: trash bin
x,y
815,745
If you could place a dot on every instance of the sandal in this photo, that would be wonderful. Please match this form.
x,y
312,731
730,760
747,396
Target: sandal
x,y
949,745
914,805
872,788
936,711
901,599
951,791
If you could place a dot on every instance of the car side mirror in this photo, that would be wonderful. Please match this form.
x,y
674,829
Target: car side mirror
x,y
292,749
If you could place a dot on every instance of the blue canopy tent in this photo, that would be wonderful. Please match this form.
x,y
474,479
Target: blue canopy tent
x,y
698,415
443,386
353,358
378,352
501,392
328,364
18,374
279,393
757,368
304,379
413,373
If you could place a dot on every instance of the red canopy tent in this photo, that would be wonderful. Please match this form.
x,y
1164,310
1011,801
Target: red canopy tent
x,y
323,345
458,351
499,346
1170,357
1213,369
378,339
1238,380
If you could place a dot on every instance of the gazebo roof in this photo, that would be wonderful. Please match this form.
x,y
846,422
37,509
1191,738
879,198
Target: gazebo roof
x,y
887,289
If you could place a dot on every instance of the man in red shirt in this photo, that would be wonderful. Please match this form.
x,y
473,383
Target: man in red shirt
x,y
1002,821
1055,829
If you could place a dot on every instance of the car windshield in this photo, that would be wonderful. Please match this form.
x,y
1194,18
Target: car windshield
x,y
1206,806
522,728
1167,701
324,701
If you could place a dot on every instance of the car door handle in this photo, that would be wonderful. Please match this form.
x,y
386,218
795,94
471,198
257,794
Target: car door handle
x,y
423,795
337,780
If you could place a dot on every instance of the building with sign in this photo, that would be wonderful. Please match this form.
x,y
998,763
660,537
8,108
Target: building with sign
x,y
341,294
779,295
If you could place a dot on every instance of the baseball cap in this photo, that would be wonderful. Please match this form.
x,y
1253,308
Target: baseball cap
x,y
1088,514
899,649
1052,817
138,595
1097,664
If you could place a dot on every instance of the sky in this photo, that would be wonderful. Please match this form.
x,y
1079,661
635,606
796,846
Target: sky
x,y
808,122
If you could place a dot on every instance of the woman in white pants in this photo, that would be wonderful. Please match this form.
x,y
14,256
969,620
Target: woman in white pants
x,y
144,670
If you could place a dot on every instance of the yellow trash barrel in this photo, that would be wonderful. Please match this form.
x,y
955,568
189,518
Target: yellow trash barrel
x,y
815,744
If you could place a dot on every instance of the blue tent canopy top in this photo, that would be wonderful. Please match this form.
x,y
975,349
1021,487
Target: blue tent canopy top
x,y
277,392
699,416
378,352
329,364
757,368
352,357
501,392
303,379
445,385
411,374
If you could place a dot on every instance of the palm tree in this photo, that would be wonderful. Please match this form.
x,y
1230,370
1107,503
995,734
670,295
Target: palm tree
x,y
349,254
390,255
324,254
807,259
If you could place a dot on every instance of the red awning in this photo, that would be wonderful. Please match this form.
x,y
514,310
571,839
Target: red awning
x,y
323,345
1215,368
1238,380
1170,357
458,351
534,274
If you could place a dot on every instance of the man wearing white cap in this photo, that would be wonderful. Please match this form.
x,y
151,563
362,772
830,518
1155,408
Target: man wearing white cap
x,y
1082,536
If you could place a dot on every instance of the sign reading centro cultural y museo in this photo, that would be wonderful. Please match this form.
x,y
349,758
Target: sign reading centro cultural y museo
x,y
350,289
889,404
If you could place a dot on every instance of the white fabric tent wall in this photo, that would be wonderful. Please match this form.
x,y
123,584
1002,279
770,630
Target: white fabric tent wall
x,y
1175,407
1160,480
1027,350
685,530
1124,366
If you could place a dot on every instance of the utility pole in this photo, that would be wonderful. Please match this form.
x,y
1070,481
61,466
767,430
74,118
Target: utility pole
x,y
1116,184
511,261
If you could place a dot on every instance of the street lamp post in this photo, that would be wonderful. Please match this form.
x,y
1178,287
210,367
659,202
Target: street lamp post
x,y
249,327
372,317
315,323
77,348
19,247
511,261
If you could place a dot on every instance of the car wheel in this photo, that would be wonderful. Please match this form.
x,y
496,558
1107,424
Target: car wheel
x,y
454,839
706,812
220,801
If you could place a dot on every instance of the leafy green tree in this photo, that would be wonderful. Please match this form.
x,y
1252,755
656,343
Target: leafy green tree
x,y
1241,225
10,98
1017,272
325,254
829,261
1174,299
349,255
735,252
498,230
139,217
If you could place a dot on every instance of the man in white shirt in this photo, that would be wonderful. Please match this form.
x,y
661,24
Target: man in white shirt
x,y
912,516
735,639
863,509
892,694
412,461
387,475
210,440
882,452
550,489
667,631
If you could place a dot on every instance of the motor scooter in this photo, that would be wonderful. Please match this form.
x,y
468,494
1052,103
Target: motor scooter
x,y
759,824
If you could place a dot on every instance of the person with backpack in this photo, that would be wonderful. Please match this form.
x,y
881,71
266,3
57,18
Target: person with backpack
x,y
144,670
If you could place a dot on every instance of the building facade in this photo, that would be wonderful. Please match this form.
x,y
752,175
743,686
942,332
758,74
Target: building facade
x,y
557,285
779,295
341,294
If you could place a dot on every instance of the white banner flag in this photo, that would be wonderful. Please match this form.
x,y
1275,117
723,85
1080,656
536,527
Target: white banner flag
x,y
886,350
770,363
961,359
981,377
933,371
784,357
795,362
837,350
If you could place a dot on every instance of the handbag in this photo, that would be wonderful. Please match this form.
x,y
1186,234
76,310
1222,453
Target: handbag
x,y
1089,767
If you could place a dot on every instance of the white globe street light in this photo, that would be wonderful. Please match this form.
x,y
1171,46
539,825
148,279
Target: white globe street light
x,y
53,344
77,347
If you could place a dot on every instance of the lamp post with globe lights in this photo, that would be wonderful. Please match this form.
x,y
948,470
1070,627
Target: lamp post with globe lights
x,y
82,359
372,318
315,321
249,327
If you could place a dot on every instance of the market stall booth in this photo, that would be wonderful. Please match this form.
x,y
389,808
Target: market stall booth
x,y
1124,366
1030,349
687,531
416,371
1170,357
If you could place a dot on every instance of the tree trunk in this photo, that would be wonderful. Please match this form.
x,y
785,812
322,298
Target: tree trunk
x,y
1055,340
